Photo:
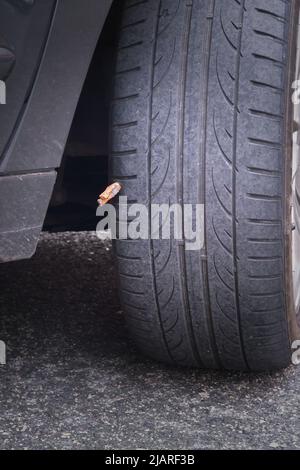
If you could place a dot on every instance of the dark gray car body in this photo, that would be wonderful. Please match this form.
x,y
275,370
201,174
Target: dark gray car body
x,y
46,48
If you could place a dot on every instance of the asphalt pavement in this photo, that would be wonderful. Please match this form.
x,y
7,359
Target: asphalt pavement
x,y
73,379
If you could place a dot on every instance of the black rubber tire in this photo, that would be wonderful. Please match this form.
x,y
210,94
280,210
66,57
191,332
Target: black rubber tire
x,y
201,114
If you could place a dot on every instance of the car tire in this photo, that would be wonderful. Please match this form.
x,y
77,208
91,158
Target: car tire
x,y
202,114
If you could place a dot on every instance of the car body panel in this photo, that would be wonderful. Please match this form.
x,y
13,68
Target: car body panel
x,y
36,144
24,29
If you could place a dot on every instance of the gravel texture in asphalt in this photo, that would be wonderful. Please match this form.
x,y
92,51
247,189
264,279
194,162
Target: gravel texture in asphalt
x,y
73,380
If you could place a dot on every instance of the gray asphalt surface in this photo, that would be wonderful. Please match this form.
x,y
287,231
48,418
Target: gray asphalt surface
x,y
74,381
